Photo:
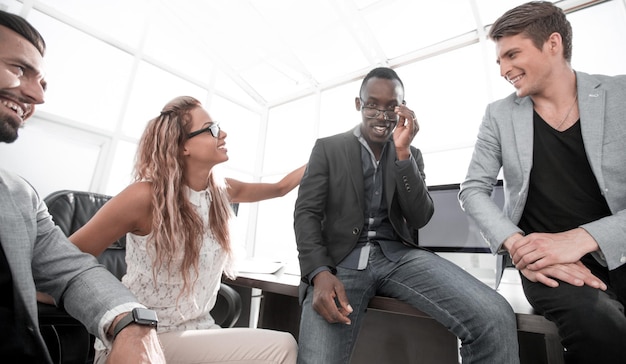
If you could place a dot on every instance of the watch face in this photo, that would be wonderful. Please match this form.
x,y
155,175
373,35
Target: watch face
x,y
144,316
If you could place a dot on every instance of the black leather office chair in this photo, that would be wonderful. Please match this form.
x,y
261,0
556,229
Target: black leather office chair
x,y
67,340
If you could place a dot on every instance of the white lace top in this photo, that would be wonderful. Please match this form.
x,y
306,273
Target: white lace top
x,y
176,312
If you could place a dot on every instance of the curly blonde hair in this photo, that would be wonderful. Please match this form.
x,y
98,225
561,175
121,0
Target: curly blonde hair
x,y
175,223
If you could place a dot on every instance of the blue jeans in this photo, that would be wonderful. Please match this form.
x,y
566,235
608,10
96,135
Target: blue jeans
x,y
475,313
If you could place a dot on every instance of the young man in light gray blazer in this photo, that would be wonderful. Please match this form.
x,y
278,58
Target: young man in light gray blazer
x,y
560,143
35,255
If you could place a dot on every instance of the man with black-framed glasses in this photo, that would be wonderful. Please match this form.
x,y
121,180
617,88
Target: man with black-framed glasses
x,y
360,204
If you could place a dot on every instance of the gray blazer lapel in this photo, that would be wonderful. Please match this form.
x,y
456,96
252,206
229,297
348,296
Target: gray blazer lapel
x,y
389,176
353,155
17,248
522,120
13,233
591,101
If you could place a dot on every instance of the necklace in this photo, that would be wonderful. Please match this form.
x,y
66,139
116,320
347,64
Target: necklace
x,y
568,112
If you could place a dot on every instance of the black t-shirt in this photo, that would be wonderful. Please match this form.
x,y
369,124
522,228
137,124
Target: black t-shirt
x,y
12,348
563,192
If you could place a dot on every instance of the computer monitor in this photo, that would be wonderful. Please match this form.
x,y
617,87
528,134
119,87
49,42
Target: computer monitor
x,y
450,229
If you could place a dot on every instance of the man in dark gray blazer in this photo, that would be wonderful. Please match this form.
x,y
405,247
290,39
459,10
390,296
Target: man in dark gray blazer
x,y
560,143
35,255
360,204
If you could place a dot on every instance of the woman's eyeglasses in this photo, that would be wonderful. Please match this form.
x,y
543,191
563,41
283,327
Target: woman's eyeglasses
x,y
214,129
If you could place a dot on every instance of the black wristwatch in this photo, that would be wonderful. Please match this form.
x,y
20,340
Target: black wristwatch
x,y
139,316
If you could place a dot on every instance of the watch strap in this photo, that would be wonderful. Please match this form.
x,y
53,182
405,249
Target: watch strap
x,y
121,324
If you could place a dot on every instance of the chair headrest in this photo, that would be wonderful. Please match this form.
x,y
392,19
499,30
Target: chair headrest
x,y
70,210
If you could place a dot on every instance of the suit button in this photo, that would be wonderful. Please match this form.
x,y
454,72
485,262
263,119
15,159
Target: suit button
x,y
622,259
355,231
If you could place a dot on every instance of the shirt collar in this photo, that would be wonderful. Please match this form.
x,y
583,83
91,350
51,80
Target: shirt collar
x,y
357,133
195,197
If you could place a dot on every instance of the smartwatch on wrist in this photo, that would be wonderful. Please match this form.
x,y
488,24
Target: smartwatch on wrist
x,y
139,316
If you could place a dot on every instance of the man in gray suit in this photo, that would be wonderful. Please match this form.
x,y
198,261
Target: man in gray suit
x,y
360,204
560,143
34,253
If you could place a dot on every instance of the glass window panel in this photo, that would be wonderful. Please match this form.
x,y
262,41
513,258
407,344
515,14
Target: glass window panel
x,y
242,127
86,78
153,87
120,175
290,135
52,157
338,112
598,42
239,225
242,240
275,238
449,104
227,86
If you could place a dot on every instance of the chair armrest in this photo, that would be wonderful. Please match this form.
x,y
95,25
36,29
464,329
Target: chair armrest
x,y
53,315
228,306
66,338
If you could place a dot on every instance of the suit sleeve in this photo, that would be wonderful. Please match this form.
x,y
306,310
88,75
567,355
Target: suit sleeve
x,y
75,279
608,164
415,202
309,212
475,194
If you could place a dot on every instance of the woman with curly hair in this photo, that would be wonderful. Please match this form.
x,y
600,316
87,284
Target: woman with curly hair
x,y
176,219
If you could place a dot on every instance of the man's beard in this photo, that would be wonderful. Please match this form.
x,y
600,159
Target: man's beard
x,y
8,133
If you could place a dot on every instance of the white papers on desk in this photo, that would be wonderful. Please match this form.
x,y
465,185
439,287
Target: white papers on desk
x,y
258,266
292,268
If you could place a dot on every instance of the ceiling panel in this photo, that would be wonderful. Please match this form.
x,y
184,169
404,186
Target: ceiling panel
x,y
273,51
403,26
121,21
